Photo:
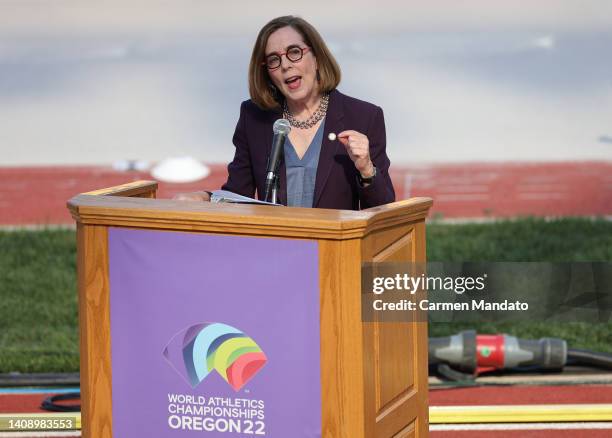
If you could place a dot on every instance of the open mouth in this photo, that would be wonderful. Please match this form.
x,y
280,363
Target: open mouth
x,y
293,82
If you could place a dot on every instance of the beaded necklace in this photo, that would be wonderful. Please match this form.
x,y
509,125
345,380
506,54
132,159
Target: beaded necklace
x,y
312,120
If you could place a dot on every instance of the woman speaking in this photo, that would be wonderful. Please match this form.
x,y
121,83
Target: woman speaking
x,y
335,154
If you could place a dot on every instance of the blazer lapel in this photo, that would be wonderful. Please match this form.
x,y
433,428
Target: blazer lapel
x,y
329,148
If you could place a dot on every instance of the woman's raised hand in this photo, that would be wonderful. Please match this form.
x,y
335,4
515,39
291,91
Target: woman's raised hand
x,y
358,148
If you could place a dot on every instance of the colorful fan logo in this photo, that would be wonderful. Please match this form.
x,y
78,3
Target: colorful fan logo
x,y
215,346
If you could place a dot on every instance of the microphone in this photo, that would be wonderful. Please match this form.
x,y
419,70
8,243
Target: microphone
x,y
281,130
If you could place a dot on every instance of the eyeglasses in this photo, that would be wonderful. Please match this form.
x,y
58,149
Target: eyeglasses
x,y
293,54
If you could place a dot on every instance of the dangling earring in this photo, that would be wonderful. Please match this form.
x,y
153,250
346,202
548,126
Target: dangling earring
x,y
318,76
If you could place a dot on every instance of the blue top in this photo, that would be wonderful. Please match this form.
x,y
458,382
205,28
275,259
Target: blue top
x,y
301,174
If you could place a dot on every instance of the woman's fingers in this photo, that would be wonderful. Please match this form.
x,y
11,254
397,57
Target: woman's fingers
x,y
353,139
349,132
345,137
358,148
192,196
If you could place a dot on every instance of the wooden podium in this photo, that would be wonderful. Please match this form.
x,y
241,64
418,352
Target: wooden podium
x,y
373,376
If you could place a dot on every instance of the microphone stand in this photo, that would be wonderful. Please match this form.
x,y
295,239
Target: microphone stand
x,y
272,184
274,189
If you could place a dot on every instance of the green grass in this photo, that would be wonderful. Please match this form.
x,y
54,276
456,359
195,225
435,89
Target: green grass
x,y
525,240
38,300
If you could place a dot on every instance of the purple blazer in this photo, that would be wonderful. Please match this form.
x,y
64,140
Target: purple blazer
x,y
336,184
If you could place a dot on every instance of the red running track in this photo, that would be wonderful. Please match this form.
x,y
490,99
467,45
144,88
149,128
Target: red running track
x,y
38,195
521,395
26,403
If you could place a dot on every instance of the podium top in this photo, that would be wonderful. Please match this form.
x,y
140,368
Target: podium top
x,y
134,205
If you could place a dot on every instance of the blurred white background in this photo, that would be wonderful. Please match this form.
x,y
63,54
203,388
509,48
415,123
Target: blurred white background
x,y
84,82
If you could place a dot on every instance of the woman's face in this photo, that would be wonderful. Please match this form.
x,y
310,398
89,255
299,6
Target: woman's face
x,y
297,81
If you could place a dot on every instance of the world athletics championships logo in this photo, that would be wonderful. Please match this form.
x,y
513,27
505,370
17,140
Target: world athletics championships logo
x,y
196,351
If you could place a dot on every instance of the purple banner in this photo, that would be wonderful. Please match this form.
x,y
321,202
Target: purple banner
x,y
214,336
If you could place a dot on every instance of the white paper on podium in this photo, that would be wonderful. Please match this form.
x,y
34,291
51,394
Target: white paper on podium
x,y
234,198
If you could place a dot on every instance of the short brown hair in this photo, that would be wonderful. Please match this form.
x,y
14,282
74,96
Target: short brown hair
x,y
263,92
